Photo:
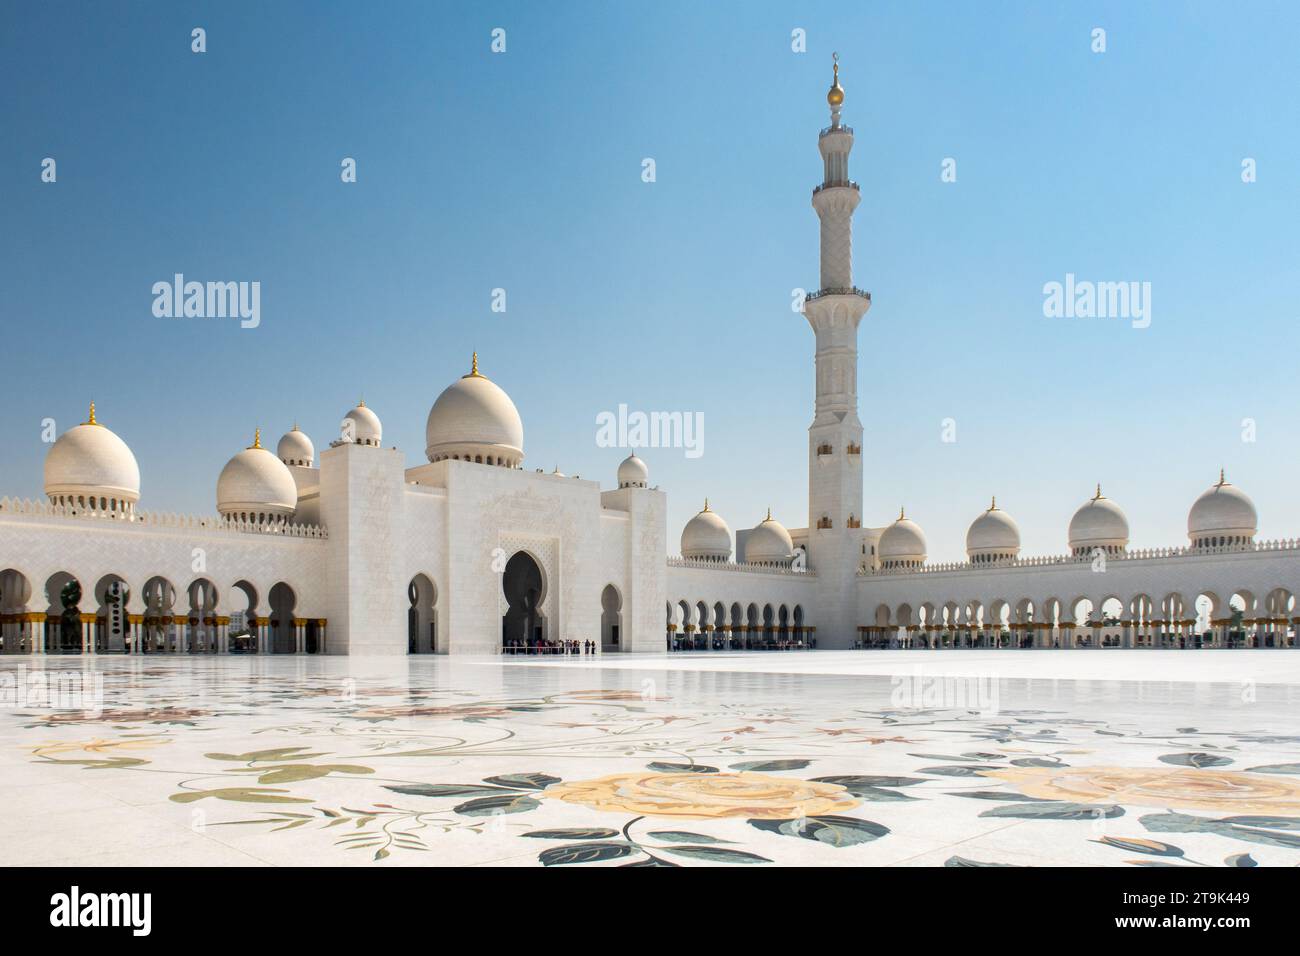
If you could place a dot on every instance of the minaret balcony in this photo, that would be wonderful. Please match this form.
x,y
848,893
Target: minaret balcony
x,y
835,129
837,184
851,290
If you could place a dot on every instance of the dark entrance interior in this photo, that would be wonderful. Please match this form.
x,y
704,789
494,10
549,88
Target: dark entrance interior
x,y
522,583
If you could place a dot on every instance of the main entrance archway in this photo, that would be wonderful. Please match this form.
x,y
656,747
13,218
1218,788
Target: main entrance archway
x,y
524,588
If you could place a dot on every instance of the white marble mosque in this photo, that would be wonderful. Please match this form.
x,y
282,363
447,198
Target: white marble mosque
x,y
356,551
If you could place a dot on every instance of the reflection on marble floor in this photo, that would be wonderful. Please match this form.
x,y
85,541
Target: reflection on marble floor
x,y
424,761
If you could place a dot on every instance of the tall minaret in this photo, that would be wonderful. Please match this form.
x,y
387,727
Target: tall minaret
x,y
835,436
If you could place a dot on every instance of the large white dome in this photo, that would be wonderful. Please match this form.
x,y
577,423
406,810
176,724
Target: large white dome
x,y
295,448
706,536
1223,515
633,473
902,544
993,536
769,543
256,486
1099,523
90,467
366,428
475,420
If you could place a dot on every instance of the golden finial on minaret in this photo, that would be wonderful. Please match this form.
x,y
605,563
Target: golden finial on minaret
x,y
835,97
257,438
91,420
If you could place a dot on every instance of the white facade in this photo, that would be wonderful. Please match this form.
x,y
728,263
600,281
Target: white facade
x,y
394,560
353,552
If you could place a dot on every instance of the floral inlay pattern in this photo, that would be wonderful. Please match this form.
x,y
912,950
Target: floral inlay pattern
x,y
448,764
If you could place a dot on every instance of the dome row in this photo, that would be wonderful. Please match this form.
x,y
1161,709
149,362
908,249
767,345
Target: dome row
x,y
706,537
1223,515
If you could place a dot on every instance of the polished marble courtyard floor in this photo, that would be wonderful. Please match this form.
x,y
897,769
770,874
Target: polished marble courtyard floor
x,y
961,758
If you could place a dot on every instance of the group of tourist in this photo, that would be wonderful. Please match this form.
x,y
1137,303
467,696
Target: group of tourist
x,y
677,642
539,646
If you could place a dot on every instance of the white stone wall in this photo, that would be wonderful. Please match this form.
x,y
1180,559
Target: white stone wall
x,y
636,539
307,481
362,505
425,551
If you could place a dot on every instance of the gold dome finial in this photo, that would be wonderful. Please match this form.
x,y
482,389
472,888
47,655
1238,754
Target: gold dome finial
x,y
473,367
91,419
706,505
1222,480
901,514
835,96
257,438
769,513
993,506
1097,496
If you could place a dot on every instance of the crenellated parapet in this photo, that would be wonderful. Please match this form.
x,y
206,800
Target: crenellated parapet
x,y
26,508
703,564
1132,554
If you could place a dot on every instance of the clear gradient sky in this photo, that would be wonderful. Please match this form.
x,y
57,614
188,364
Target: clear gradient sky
x,y
522,171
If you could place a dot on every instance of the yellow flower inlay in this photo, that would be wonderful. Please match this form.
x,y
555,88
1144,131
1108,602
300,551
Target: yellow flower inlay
x,y
1185,789
706,795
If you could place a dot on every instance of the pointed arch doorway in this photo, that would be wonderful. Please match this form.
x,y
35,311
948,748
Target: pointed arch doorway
x,y
523,624
611,620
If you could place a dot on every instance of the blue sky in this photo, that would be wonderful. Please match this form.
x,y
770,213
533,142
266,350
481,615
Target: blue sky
x,y
522,171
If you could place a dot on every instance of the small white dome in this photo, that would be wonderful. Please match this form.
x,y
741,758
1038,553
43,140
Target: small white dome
x,y
88,463
1099,523
1223,515
255,485
475,419
993,536
633,473
706,536
902,544
295,448
769,543
366,428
